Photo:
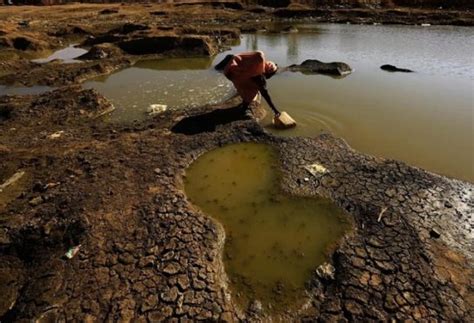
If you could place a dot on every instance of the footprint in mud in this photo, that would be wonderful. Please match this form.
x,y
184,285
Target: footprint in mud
x,y
277,240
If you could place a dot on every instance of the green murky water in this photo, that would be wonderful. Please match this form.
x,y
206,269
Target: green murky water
x,y
273,242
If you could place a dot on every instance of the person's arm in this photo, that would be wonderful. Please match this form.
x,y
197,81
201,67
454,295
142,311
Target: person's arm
x,y
262,87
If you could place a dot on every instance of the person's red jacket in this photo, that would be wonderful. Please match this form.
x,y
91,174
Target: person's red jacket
x,y
243,67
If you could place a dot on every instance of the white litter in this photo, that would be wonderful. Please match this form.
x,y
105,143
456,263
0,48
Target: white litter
x,y
155,109
72,252
316,169
56,135
11,180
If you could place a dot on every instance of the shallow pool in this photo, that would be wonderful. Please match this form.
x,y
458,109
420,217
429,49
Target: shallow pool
x,y
273,241
425,118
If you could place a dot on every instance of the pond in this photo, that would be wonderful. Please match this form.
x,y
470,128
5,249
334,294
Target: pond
x,y
273,241
423,118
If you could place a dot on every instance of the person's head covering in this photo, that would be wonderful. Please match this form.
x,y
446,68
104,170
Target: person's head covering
x,y
270,67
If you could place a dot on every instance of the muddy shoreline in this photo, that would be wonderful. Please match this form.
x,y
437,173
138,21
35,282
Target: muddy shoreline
x,y
146,253
183,31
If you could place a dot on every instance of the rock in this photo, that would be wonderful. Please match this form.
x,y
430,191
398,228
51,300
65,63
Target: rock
x,y
108,11
392,68
155,109
434,233
128,28
290,29
256,307
94,53
156,44
326,271
36,201
313,66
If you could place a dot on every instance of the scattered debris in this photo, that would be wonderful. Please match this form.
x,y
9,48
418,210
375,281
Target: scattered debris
x,y
316,169
256,307
434,233
108,110
72,252
12,180
326,271
393,68
36,201
155,109
381,213
56,134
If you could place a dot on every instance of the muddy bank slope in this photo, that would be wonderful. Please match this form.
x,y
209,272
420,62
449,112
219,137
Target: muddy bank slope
x,y
147,254
119,35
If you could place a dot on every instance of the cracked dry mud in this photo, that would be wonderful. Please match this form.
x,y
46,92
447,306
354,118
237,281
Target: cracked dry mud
x,y
147,254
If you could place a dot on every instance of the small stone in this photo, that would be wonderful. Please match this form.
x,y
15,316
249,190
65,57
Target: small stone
x,y
157,170
36,201
256,307
434,233
326,271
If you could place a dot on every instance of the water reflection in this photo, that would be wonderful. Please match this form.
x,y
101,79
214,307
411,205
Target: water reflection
x,y
425,118
273,242
67,55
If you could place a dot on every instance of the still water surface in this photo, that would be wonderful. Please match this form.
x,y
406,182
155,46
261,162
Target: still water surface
x,y
424,118
273,242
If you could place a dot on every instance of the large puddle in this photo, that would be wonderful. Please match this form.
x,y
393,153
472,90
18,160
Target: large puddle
x,y
273,242
423,118
176,83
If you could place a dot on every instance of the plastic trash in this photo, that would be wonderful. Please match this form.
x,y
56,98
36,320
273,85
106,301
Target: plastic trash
x,y
72,252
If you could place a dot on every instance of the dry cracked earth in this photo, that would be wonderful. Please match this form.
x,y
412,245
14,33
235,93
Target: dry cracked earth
x,y
148,255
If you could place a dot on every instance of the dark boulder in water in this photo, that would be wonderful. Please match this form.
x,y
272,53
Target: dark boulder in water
x,y
313,66
392,68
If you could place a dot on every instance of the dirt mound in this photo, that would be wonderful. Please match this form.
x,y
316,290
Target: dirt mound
x,y
183,45
22,43
101,51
